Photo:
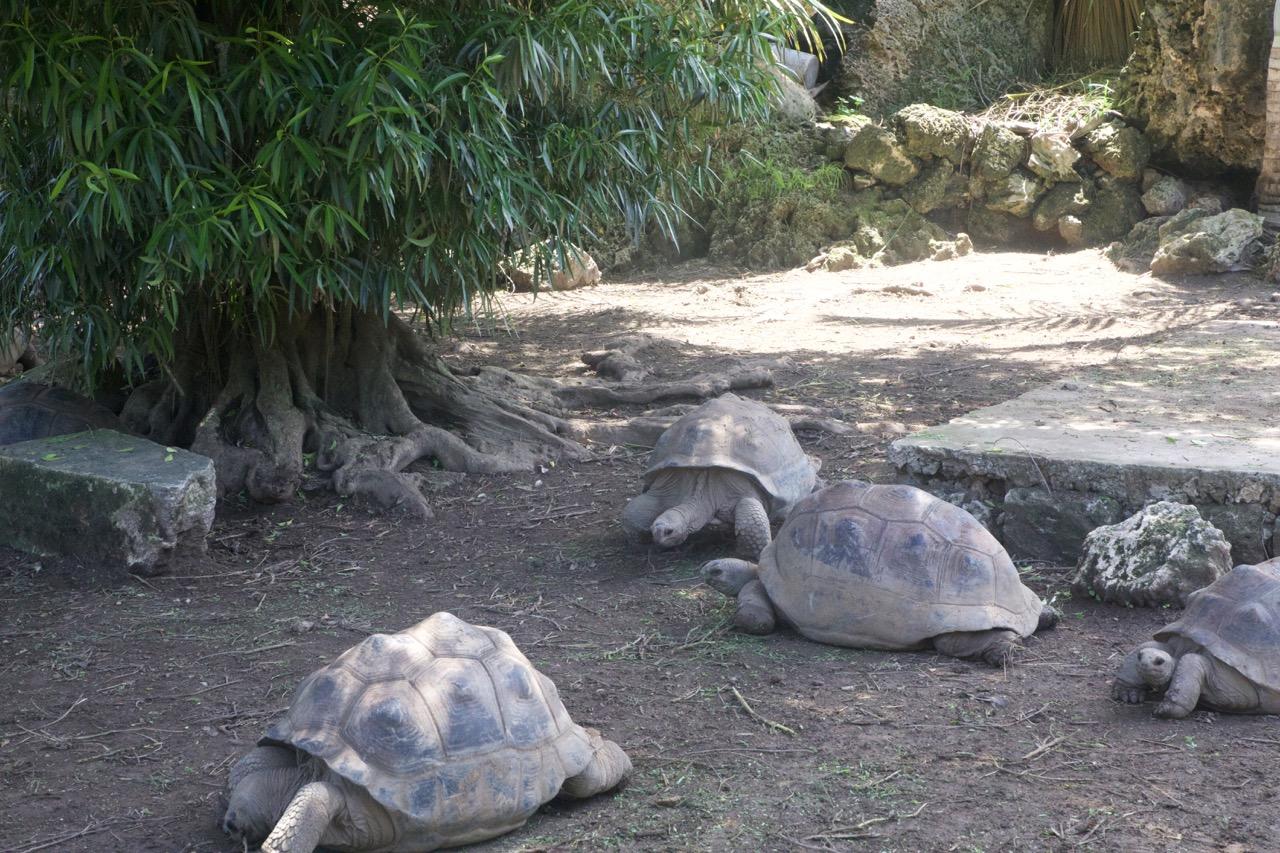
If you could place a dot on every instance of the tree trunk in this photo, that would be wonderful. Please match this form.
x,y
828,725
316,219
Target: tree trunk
x,y
343,390
1269,179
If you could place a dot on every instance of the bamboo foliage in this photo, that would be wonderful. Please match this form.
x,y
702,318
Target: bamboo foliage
x,y
162,159
1093,34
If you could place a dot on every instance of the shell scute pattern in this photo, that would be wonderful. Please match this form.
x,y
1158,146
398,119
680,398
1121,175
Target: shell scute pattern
x,y
1237,620
29,410
891,567
741,435
437,719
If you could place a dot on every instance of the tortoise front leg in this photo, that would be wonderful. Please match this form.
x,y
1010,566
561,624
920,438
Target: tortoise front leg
x,y
751,526
755,612
303,824
1184,690
996,646
639,515
608,768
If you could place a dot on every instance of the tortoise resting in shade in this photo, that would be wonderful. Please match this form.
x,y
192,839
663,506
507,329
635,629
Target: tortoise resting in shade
x,y
438,736
1223,654
731,460
885,567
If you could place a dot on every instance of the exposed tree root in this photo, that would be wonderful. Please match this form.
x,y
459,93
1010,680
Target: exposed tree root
x,y
363,399
617,361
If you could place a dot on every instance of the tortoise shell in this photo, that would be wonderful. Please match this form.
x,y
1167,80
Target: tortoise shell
x,y
29,410
446,725
740,435
1237,620
890,567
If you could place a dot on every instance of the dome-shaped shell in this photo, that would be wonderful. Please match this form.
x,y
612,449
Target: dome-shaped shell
x,y
447,725
740,435
29,410
1237,620
890,567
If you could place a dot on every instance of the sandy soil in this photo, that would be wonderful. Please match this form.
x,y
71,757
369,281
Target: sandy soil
x,y
125,700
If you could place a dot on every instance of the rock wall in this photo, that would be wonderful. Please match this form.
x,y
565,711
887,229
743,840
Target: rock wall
x,y
1197,82
953,53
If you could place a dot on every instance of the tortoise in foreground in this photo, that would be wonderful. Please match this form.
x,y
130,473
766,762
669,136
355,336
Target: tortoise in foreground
x,y
731,460
1224,653
29,410
885,567
438,736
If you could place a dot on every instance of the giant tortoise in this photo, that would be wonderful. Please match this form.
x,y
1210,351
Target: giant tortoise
x,y
731,460
440,735
1224,653
29,410
885,567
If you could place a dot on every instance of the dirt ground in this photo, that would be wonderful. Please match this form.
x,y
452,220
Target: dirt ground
x,y
124,701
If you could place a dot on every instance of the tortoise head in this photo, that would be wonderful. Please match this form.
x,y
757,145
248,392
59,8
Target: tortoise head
x,y
728,576
1156,667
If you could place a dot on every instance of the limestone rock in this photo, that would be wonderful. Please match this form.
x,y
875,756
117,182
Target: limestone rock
x,y
876,151
903,52
1135,251
1166,196
1115,209
997,153
1061,200
931,190
945,250
1122,151
16,353
1196,81
1071,230
933,132
1015,195
1053,157
834,137
993,227
107,497
1212,244
1158,556
1052,527
544,268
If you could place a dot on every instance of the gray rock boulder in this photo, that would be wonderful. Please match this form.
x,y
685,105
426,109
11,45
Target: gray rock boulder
x,y
1122,151
1016,195
1210,244
997,153
1248,527
1158,556
931,190
931,131
1053,157
876,151
107,497
1167,196
1061,200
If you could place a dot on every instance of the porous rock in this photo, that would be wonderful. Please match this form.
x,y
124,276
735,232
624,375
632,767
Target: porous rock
x,y
107,497
1158,556
1061,200
931,131
1122,151
876,151
1166,196
1248,527
997,153
1115,209
1053,157
931,190
1211,244
1016,195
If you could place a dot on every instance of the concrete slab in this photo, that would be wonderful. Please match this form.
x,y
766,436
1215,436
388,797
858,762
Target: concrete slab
x,y
108,497
1192,417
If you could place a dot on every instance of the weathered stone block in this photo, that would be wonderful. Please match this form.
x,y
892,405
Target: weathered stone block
x,y
1248,527
1158,556
876,151
107,497
1052,527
